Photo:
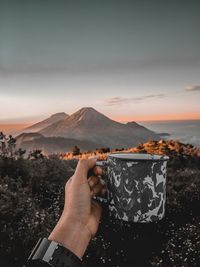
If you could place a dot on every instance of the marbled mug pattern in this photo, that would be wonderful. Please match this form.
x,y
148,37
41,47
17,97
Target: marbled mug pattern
x,y
136,189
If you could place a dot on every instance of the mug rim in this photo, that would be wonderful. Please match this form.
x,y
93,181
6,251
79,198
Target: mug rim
x,y
139,156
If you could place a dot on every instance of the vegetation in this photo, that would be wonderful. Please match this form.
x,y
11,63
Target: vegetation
x,y
31,200
76,151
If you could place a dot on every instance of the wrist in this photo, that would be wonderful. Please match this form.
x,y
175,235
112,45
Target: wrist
x,y
73,235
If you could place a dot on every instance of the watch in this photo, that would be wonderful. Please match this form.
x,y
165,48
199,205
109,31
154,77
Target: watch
x,y
54,254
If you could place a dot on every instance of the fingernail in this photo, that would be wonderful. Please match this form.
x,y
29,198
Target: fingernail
x,y
91,183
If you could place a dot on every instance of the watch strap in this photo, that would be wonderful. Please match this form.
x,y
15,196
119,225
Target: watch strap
x,y
54,254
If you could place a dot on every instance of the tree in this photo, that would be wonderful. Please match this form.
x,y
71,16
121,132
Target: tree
x,y
11,145
76,151
2,144
7,145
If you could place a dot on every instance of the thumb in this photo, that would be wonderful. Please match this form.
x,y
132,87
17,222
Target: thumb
x,y
82,169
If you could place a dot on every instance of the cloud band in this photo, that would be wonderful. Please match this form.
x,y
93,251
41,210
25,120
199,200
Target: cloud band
x,y
123,100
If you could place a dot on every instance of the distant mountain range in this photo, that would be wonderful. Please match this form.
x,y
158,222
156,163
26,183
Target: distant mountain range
x,y
87,128
31,141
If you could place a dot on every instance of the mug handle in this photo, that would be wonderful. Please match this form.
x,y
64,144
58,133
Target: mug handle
x,y
103,164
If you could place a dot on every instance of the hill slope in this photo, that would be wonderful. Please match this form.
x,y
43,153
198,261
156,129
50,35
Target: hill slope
x,y
31,141
45,123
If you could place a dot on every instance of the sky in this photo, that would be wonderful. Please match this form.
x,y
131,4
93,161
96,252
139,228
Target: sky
x,y
131,60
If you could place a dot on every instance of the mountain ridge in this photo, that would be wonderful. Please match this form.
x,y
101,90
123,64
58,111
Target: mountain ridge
x,y
46,122
91,125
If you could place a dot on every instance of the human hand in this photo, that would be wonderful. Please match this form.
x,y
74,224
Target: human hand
x,y
81,215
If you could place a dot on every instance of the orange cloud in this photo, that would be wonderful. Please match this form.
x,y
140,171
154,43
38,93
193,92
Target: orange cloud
x,y
156,117
193,88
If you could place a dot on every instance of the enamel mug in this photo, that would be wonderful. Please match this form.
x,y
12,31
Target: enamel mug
x,y
136,186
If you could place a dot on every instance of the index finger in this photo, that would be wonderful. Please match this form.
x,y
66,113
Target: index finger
x,y
82,169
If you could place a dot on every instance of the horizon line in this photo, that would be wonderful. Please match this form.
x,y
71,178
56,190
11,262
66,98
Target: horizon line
x,y
123,119
173,117
118,120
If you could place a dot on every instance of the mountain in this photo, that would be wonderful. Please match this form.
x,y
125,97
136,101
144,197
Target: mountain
x,y
31,141
47,122
91,125
140,130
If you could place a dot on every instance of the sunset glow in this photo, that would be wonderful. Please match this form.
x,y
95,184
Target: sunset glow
x,y
183,116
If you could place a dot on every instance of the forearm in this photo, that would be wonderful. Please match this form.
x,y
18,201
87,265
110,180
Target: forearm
x,y
73,235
